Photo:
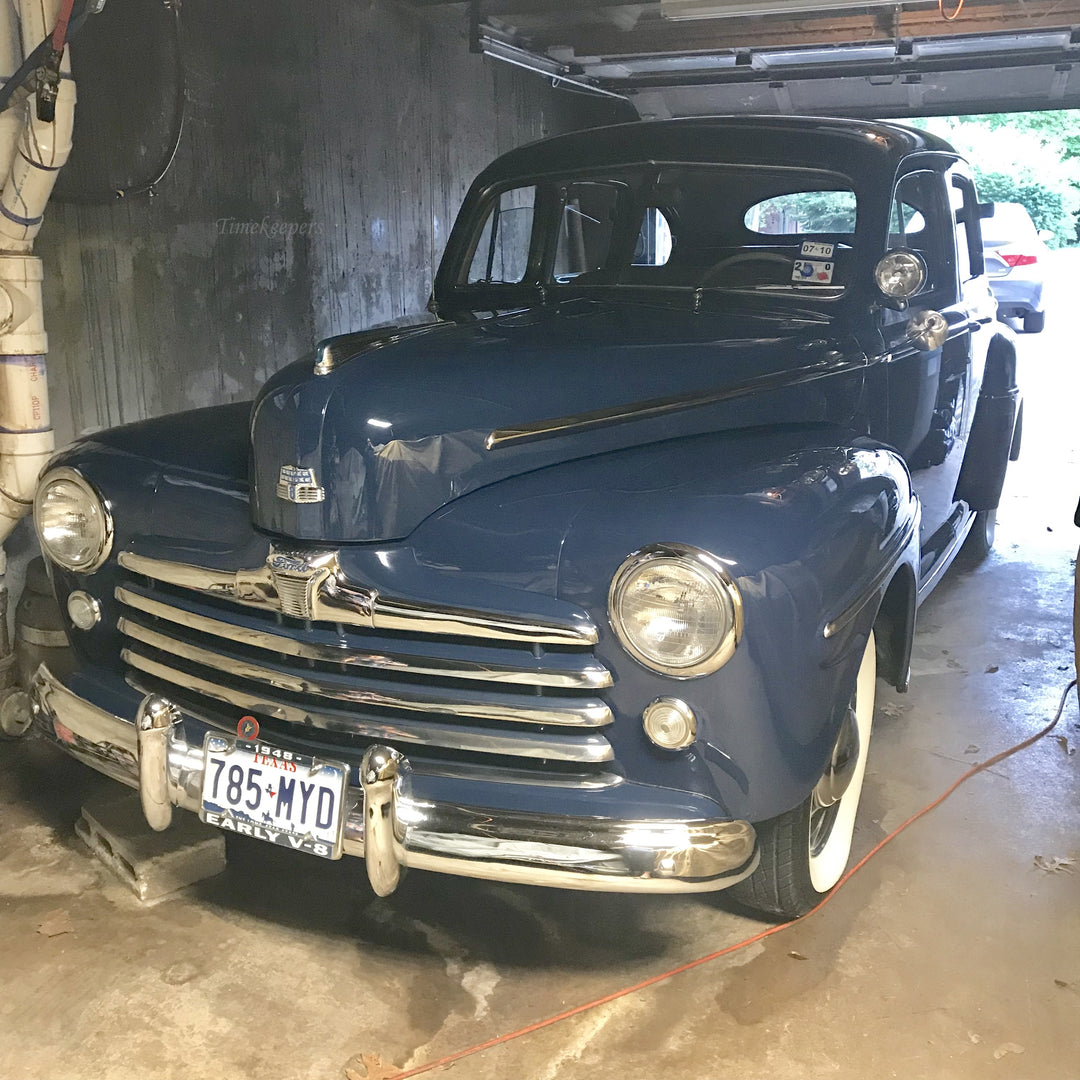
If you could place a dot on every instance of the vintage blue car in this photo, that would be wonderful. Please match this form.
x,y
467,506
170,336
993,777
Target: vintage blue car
x,y
588,582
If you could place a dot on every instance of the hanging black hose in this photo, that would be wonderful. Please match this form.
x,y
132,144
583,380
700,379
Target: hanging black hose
x,y
148,185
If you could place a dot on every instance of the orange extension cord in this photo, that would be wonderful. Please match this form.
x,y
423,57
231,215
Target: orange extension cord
x,y
956,12
449,1059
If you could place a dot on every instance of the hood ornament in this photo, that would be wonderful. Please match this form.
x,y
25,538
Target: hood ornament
x,y
299,577
297,485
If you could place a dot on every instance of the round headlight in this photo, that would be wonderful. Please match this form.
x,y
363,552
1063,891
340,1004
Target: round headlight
x,y
900,274
73,523
676,610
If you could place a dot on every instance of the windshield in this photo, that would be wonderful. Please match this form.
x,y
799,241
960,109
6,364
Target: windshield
x,y
784,230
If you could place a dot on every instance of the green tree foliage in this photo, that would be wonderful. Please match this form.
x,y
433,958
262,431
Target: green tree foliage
x,y
1029,158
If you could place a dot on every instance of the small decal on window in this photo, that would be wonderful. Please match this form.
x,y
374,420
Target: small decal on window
x,y
810,250
812,273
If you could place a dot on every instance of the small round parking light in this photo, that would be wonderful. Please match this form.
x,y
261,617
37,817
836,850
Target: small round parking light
x,y
83,610
670,723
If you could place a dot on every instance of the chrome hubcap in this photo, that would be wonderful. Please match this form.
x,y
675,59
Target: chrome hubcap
x,y
834,781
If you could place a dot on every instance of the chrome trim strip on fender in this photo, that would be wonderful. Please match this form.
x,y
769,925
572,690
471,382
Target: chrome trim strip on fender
x,y
341,601
561,712
525,744
890,558
587,853
655,407
582,672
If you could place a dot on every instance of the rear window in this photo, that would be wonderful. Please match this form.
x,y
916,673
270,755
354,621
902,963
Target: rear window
x,y
804,212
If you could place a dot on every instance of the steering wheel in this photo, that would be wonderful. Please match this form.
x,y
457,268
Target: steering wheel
x,y
744,257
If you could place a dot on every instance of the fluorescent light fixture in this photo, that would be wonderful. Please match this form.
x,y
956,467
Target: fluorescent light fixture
x,y
725,9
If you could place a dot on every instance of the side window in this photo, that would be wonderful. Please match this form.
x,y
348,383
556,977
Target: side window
x,y
654,242
804,212
922,221
588,221
502,252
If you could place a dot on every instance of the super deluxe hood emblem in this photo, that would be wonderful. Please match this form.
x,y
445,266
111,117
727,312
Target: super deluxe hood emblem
x,y
297,485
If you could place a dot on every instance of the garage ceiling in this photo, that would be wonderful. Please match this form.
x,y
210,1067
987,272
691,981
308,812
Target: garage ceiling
x,y
694,57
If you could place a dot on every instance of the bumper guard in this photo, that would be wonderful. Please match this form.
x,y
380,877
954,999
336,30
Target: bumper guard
x,y
388,824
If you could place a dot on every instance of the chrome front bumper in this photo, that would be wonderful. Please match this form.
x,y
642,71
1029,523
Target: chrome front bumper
x,y
392,826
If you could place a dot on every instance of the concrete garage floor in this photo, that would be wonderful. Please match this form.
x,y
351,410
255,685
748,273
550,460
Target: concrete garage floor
x,y
950,956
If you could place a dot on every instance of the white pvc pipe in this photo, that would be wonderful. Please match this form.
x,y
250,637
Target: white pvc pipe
x,y
26,437
11,120
43,148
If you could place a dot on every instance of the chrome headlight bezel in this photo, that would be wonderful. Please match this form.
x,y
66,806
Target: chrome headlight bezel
x,y
707,568
900,274
102,547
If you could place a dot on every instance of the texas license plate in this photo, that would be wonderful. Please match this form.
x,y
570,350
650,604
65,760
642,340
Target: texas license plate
x,y
262,791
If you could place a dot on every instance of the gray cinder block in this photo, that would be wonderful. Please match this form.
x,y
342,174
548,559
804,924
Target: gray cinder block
x,y
152,864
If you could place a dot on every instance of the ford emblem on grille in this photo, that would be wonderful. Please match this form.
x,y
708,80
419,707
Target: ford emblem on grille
x,y
298,576
297,485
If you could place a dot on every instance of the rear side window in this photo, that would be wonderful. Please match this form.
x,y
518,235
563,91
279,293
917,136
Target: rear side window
x,y
654,242
585,230
501,256
804,212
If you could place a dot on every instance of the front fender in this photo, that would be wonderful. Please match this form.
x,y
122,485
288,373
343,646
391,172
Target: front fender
x,y
812,525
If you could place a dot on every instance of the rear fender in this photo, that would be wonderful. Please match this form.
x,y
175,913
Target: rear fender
x,y
993,431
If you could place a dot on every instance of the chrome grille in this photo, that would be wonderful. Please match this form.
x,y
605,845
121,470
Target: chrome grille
x,y
462,695
295,595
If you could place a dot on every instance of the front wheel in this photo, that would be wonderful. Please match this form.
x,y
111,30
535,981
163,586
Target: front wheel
x,y
804,852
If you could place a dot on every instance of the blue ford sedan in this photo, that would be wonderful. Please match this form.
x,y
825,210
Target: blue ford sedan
x,y
588,582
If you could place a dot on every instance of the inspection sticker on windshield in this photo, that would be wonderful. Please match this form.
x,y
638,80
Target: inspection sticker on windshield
x,y
812,273
810,250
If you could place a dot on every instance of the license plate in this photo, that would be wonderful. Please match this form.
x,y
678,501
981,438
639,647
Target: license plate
x,y
262,791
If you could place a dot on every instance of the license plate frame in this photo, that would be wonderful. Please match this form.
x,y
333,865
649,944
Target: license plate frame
x,y
262,765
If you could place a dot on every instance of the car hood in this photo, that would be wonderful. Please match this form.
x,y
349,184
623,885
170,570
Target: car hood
x,y
413,421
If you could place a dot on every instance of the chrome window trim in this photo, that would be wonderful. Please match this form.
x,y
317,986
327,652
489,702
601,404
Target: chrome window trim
x,y
702,560
341,601
586,672
589,747
581,713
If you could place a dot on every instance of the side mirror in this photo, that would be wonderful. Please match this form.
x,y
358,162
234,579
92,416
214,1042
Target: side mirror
x,y
1046,235
900,275
986,209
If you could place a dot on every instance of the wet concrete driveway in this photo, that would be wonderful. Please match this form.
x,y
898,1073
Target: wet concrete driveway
x,y
952,955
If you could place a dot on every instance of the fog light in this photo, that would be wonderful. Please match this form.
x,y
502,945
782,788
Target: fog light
x,y
670,723
83,610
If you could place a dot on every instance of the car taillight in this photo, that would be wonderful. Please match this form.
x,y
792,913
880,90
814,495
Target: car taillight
x,y
1017,258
